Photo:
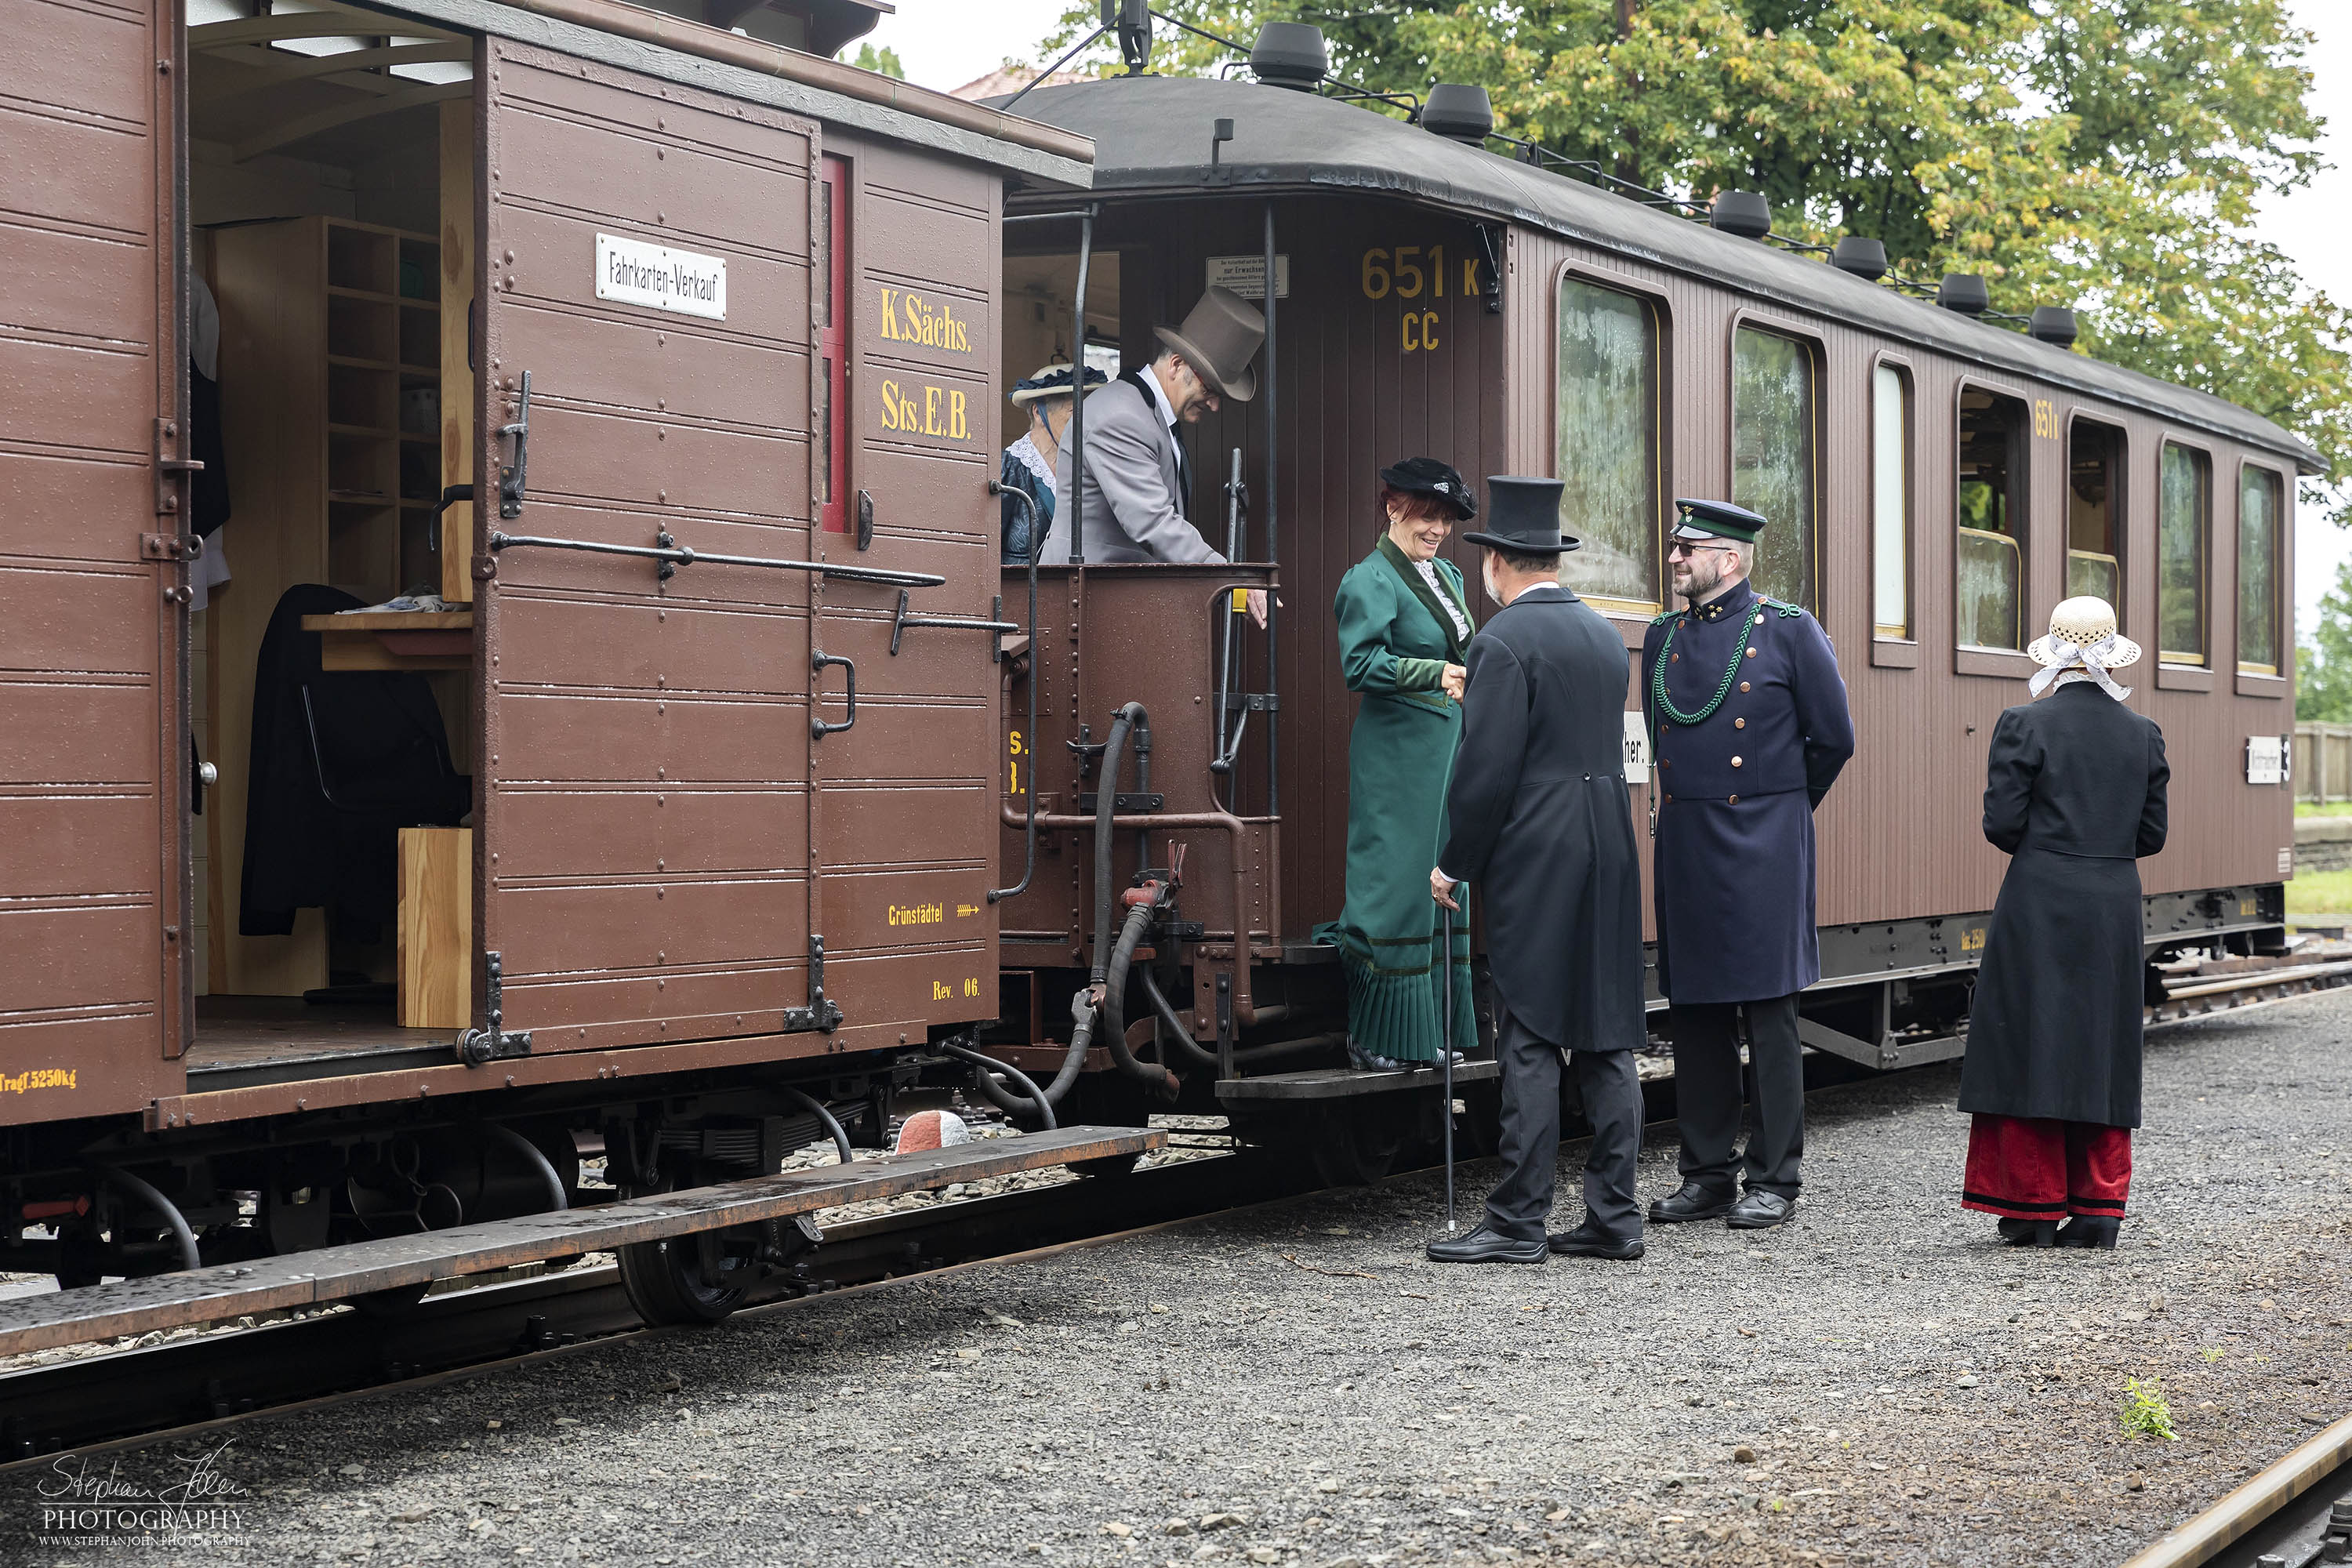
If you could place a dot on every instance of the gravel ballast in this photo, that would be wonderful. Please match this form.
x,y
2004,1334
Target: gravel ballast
x,y
1876,1383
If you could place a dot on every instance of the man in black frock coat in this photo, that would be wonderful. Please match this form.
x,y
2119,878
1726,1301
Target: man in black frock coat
x,y
1538,817
1749,722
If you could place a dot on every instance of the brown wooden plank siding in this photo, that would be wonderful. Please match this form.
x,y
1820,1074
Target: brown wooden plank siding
x,y
91,674
643,791
908,798
1900,835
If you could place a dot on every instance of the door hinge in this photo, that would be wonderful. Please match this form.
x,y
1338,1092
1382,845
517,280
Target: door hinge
x,y
170,467
477,1046
820,1015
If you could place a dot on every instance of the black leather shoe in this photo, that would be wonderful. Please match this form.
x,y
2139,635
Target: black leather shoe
x,y
1371,1061
1759,1210
1690,1203
2029,1232
1483,1244
2090,1230
1588,1240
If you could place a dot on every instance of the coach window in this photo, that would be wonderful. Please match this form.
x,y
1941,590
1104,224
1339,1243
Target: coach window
x,y
1605,432
1890,473
1772,455
2260,516
2184,523
1992,515
2094,470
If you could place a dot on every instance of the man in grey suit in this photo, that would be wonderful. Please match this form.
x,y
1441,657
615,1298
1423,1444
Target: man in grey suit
x,y
1137,496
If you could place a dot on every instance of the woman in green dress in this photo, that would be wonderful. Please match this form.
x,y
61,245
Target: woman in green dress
x,y
1404,626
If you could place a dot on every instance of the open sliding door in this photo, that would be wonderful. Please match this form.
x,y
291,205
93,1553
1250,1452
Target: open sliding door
x,y
93,631
643,790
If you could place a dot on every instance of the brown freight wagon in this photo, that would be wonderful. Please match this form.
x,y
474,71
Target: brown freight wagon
x,y
1937,483
539,664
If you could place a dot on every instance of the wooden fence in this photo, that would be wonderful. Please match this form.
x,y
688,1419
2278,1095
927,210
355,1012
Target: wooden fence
x,y
2322,761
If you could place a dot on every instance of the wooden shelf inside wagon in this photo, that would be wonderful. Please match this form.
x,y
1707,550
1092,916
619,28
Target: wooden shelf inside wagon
x,y
395,639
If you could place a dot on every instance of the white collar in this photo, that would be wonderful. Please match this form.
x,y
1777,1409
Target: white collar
x,y
1541,588
1150,379
1024,452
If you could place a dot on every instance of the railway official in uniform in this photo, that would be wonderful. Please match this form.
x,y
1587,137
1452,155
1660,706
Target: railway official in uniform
x,y
2075,793
1748,716
1138,490
1538,817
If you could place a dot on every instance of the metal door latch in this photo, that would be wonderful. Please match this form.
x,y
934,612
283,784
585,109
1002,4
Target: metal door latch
x,y
817,663
170,546
514,477
821,1015
477,1046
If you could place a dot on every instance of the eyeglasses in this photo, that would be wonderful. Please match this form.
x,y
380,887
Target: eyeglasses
x,y
1684,547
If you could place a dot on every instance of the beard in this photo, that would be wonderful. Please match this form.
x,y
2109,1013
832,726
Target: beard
x,y
1706,576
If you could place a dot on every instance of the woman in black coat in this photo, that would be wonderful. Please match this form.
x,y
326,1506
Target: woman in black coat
x,y
2075,793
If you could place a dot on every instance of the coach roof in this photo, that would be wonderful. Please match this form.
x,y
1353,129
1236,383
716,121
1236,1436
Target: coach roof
x,y
1151,136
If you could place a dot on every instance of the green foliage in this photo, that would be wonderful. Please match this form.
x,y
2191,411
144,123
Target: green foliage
x,y
2144,1412
886,62
2106,154
2323,665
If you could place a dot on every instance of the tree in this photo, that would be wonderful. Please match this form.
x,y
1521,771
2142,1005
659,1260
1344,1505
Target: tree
x,y
2110,154
886,62
2323,666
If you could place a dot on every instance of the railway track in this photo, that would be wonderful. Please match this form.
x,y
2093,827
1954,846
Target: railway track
x,y
121,1397
2296,1514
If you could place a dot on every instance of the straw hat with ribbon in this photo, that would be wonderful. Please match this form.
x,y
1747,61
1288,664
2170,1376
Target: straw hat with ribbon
x,y
2083,637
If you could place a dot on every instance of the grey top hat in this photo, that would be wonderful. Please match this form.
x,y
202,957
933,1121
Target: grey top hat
x,y
1219,338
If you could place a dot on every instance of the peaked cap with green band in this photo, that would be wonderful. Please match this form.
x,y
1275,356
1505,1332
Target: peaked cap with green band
x,y
1716,520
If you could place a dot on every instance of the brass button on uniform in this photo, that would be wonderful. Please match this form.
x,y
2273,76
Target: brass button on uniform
x,y
1735,761
1759,617
1734,800
1743,686
1670,800
1751,652
1739,723
1674,657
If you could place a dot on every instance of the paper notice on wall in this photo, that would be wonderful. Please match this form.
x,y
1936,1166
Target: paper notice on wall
x,y
1246,276
637,272
1637,749
2265,760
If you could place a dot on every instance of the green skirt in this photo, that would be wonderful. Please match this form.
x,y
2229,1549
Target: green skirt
x,y
1400,761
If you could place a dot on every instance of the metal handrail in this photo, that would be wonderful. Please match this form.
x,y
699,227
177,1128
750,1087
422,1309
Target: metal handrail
x,y
675,556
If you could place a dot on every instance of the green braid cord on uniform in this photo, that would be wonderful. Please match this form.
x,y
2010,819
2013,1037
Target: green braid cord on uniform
x,y
1658,677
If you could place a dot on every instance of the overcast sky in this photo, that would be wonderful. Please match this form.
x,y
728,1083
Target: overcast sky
x,y
946,43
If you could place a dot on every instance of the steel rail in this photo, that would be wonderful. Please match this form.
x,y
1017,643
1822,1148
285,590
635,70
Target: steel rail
x,y
2240,1513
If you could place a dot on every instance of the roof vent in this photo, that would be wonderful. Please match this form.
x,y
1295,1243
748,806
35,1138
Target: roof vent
x,y
2053,324
1459,112
1865,258
1964,292
1743,213
1291,55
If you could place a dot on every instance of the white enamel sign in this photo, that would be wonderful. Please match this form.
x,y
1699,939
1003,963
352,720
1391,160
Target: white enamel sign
x,y
635,272
1637,748
2265,760
1245,274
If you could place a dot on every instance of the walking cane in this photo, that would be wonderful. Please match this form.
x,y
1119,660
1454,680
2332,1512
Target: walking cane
x,y
1446,1053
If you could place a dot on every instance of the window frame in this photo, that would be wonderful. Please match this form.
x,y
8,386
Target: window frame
x,y
1986,658
1661,315
2118,509
2201,660
2279,515
1890,647
1817,359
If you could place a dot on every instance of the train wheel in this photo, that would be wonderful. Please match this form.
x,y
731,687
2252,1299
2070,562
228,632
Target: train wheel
x,y
1356,1147
669,1282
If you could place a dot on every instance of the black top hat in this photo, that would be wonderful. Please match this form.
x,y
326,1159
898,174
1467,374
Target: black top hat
x,y
1523,514
1428,476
